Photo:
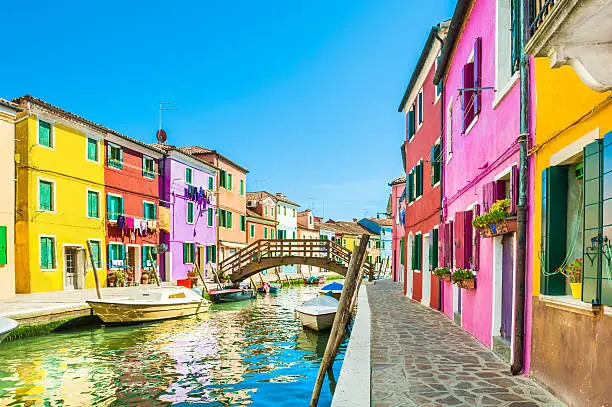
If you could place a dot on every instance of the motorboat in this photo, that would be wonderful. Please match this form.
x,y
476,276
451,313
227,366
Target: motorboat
x,y
231,294
334,289
7,325
270,288
318,313
150,305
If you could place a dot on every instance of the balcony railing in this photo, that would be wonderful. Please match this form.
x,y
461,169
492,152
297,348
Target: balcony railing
x,y
539,12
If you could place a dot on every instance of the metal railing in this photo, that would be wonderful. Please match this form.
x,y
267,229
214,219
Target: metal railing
x,y
539,10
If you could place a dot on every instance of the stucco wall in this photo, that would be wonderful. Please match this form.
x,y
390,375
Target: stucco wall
x,y
397,230
7,203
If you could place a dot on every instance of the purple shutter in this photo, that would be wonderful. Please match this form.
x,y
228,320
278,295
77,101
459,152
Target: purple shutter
x,y
499,190
477,73
450,246
468,234
459,239
476,247
514,186
468,95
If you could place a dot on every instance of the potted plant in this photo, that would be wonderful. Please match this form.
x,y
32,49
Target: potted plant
x,y
111,278
495,222
144,278
443,273
121,277
464,278
573,275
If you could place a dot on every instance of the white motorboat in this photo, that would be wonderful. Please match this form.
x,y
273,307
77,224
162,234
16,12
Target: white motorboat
x,y
319,313
6,326
333,288
150,305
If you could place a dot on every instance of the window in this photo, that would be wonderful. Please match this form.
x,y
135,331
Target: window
x,y
229,181
211,184
448,144
242,223
266,210
241,187
115,156
211,254
45,134
417,254
92,149
225,218
148,210
344,242
149,258
114,206
285,210
436,164
294,213
470,95
223,179
46,197
47,253
116,254
265,232
252,230
293,235
420,107
210,216
369,259
190,208
3,245
188,175
271,211
148,167
96,252
188,253
378,244
439,85
369,244
410,125
93,204
419,179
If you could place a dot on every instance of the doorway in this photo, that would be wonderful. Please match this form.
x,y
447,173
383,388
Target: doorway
x,y
201,258
505,330
132,264
71,269
426,273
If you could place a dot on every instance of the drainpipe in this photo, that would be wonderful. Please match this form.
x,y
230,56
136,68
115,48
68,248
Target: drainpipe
x,y
442,162
521,210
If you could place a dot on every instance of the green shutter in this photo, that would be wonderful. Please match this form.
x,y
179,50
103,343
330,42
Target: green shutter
x,y
229,219
185,251
229,181
210,216
411,124
214,249
189,212
434,249
44,133
3,245
241,187
45,193
210,184
554,229
265,232
92,149
402,254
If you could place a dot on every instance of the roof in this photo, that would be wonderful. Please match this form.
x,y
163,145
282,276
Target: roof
x,y
461,11
61,112
349,228
257,195
9,104
196,150
382,221
398,181
280,197
168,148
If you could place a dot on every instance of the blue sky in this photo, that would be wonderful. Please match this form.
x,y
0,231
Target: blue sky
x,y
303,94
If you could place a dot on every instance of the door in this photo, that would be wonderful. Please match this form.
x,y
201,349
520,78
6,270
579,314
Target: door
x,y
201,258
426,281
507,284
130,264
70,259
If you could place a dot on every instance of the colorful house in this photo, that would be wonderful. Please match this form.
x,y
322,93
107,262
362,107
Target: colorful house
x,y
398,216
422,107
231,200
188,197
8,112
478,68
286,215
59,198
571,207
131,190
261,216
307,229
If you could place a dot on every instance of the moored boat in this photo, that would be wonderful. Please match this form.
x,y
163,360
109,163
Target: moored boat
x,y
150,305
334,289
7,325
231,294
270,288
319,313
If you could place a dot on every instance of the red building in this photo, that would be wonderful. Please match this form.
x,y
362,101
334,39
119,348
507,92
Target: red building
x,y
131,175
422,106
397,209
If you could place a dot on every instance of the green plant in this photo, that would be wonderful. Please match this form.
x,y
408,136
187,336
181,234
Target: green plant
x,y
462,274
441,271
121,276
497,213
572,271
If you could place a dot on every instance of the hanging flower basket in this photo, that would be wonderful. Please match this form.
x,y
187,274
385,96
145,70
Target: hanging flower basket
x,y
443,273
464,278
499,228
467,284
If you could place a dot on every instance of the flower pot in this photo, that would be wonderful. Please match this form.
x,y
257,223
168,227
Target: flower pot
x,y
499,228
446,277
466,284
576,290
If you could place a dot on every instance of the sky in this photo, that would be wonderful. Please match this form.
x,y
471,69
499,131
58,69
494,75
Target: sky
x,y
303,94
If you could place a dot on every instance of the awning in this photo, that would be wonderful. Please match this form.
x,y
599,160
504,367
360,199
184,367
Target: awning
x,y
232,245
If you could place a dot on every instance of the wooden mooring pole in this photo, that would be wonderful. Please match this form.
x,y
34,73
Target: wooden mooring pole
x,y
95,270
342,316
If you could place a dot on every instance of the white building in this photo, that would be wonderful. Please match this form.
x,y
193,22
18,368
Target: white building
x,y
286,216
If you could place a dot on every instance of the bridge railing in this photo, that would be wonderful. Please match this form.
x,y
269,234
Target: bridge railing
x,y
287,247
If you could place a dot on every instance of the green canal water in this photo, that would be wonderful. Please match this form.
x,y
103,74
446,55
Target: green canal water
x,y
247,353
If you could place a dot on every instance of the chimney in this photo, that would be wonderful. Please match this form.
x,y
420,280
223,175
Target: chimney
x,y
355,220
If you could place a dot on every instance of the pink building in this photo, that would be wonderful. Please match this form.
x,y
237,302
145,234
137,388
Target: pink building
x,y
480,77
398,216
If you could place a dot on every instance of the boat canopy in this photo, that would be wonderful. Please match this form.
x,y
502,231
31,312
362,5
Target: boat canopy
x,y
335,286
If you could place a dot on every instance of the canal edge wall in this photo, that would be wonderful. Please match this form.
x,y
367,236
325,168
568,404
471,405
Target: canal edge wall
x,y
353,387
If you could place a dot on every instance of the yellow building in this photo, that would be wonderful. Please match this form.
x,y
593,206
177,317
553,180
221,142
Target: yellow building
x,y
59,199
571,122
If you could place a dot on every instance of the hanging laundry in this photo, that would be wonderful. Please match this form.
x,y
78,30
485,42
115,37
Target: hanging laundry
x,y
121,222
151,225
143,228
129,223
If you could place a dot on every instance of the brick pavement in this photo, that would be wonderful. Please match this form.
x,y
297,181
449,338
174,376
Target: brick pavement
x,y
421,358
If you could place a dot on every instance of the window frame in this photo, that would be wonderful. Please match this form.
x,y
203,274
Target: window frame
x,y
211,183
189,205
114,195
54,252
99,263
189,179
53,199
97,140
98,193
419,121
146,173
111,161
210,217
251,230
144,214
191,252
110,259
241,187
143,265
51,132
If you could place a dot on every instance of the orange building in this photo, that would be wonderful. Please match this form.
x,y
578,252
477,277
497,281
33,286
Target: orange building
x,y
261,216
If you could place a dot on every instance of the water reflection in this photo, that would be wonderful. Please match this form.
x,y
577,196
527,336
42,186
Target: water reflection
x,y
250,353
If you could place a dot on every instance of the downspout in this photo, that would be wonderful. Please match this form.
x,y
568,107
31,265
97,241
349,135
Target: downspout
x,y
521,210
442,162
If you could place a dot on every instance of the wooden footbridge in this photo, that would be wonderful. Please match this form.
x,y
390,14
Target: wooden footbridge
x,y
266,254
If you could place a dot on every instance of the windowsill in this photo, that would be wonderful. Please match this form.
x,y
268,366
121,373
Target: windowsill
x,y
45,270
471,126
93,161
569,303
46,211
499,96
93,217
47,147
437,184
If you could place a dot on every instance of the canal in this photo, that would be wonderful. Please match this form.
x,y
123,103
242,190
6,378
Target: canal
x,y
247,353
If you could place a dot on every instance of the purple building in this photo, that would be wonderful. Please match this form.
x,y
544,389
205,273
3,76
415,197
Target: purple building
x,y
188,204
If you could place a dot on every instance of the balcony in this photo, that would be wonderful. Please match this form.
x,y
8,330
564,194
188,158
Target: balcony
x,y
577,33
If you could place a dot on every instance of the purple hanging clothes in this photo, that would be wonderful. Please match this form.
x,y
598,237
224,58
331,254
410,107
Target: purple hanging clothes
x,y
129,223
121,222
143,228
